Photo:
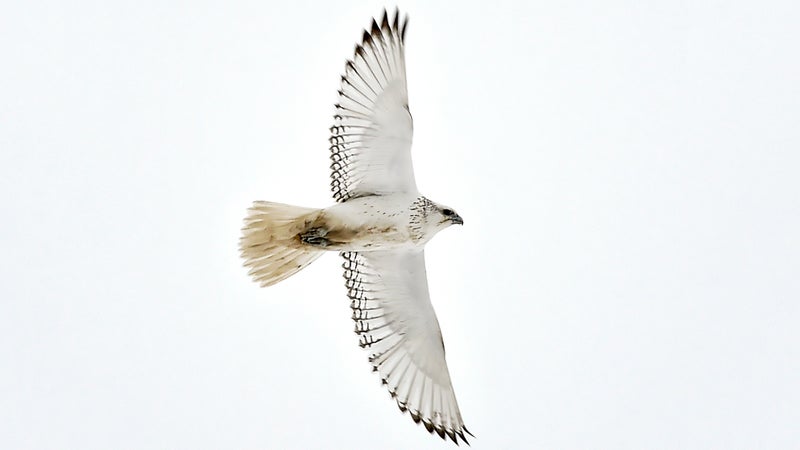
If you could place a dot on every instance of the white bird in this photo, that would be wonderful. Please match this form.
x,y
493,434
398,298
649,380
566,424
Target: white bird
x,y
380,224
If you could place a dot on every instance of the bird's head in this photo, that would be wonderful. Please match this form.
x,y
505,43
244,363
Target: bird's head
x,y
429,218
448,216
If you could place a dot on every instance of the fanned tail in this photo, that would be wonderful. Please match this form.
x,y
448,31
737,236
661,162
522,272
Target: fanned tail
x,y
269,243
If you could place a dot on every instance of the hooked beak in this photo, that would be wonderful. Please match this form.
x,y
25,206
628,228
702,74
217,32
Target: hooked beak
x,y
457,220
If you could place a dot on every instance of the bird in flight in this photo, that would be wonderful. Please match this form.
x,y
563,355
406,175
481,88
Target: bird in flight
x,y
380,224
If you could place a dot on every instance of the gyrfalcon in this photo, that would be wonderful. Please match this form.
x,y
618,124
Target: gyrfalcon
x,y
380,225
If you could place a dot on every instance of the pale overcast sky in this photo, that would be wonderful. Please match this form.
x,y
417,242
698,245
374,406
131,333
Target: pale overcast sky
x,y
627,277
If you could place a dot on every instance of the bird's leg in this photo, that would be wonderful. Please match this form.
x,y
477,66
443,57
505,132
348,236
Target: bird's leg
x,y
315,236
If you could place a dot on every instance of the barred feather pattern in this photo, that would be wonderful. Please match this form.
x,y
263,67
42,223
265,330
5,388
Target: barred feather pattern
x,y
370,140
396,322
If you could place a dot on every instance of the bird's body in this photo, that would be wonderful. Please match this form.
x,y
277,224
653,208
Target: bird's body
x,y
370,223
380,225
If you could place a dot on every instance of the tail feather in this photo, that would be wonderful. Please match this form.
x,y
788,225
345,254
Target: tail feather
x,y
269,243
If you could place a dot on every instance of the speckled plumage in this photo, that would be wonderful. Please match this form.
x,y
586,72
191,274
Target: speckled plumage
x,y
380,225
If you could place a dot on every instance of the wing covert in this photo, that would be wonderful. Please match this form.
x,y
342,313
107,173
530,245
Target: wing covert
x,y
397,324
372,131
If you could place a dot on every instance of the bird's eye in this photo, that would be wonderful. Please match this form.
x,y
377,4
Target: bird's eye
x,y
447,212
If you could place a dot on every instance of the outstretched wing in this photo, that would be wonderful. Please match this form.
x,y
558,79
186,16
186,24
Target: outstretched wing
x,y
397,324
372,130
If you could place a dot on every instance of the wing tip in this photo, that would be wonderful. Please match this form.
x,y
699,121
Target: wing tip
x,y
387,26
403,28
443,431
374,28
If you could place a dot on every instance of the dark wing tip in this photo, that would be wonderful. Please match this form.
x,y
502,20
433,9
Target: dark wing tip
x,y
443,431
463,438
375,28
385,20
360,51
396,20
452,435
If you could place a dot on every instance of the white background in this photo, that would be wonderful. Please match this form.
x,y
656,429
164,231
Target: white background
x,y
627,276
